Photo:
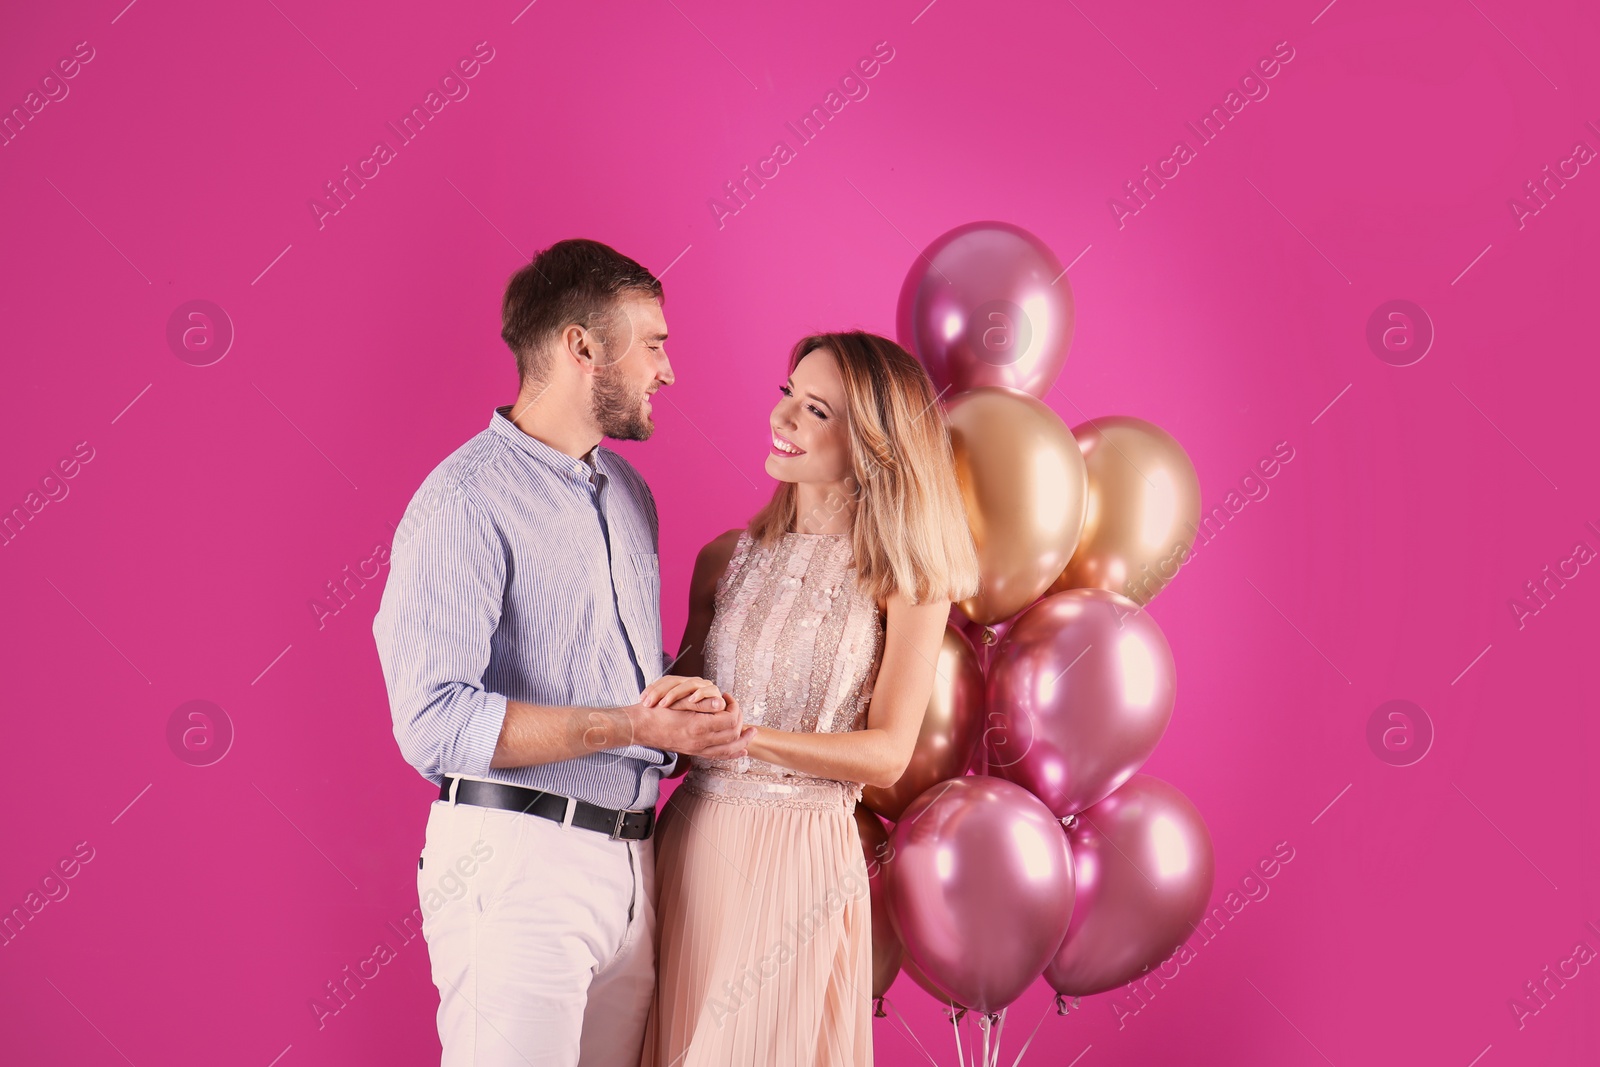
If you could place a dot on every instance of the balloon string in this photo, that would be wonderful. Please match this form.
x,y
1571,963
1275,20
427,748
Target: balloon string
x,y
955,1024
901,1019
1031,1036
992,1023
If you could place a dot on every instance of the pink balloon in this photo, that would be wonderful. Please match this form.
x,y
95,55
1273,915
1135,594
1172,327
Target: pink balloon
x,y
988,304
1079,693
980,889
1145,868
927,984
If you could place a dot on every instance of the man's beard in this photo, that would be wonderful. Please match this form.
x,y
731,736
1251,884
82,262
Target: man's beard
x,y
619,410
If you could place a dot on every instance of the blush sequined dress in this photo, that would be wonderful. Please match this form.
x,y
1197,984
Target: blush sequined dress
x,y
765,950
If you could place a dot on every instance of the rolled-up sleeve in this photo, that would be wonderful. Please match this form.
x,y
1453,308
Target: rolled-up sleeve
x,y
434,627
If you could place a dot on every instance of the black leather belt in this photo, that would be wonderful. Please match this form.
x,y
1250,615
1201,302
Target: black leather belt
x,y
618,825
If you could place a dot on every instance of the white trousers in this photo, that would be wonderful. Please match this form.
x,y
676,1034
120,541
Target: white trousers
x,y
541,939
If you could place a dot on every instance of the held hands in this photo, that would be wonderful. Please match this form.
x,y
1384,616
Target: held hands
x,y
682,694
692,716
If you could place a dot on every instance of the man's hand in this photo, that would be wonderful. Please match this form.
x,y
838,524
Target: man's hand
x,y
709,734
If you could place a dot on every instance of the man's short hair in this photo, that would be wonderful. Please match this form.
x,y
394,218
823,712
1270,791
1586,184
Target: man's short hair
x,y
573,281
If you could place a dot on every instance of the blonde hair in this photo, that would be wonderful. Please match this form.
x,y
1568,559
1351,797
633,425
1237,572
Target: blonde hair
x,y
910,532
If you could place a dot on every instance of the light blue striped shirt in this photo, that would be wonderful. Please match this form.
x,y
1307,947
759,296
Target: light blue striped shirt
x,y
513,576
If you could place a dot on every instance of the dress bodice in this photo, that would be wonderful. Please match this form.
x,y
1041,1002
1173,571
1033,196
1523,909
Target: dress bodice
x,y
797,642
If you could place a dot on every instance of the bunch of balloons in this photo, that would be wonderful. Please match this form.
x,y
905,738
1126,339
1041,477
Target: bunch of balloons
x,y
1025,842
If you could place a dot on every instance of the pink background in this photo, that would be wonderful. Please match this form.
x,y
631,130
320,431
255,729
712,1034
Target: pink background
x,y
1230,310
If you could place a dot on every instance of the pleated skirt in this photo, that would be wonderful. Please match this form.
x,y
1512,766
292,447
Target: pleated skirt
x,y
764,956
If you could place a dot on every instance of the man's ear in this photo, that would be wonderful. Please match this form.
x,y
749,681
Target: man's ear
x,y
581,346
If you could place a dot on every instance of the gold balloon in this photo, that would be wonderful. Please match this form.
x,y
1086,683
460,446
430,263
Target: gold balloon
x,y
950,728
886,948
1026,489
1144,508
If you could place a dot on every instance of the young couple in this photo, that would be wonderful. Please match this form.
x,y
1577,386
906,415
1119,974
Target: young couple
x,y
520,639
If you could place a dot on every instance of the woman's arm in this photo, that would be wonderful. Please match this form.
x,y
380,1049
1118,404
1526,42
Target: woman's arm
x,y
877,755
708,568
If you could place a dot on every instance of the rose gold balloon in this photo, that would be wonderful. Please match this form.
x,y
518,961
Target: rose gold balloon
x,y
980,890
1142,513
1145,868
1080,692
886,948
985,637
1026,490
950,728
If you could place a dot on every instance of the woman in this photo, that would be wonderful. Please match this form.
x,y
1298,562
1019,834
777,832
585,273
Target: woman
x,y
822,621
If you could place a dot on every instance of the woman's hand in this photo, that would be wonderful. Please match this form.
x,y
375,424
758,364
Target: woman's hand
x,y
683,694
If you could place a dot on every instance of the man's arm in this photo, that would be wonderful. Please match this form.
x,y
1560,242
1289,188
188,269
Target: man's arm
x,y
440,608
434,626
538,733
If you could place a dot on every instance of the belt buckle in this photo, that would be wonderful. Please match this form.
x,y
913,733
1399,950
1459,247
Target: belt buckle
x,y
616,829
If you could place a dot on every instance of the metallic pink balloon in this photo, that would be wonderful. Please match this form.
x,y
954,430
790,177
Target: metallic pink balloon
x,y
927,984
1080,692
988,304
980,889
1145,868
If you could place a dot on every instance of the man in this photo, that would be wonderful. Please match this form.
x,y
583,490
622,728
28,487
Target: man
x,y
520,624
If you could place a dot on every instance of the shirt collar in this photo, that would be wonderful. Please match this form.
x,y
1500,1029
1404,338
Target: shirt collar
x,y
590,472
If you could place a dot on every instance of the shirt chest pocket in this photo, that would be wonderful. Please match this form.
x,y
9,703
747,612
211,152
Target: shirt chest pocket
x,y
639,595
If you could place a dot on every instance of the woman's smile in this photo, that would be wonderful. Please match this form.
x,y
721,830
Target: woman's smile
x,y
782,446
